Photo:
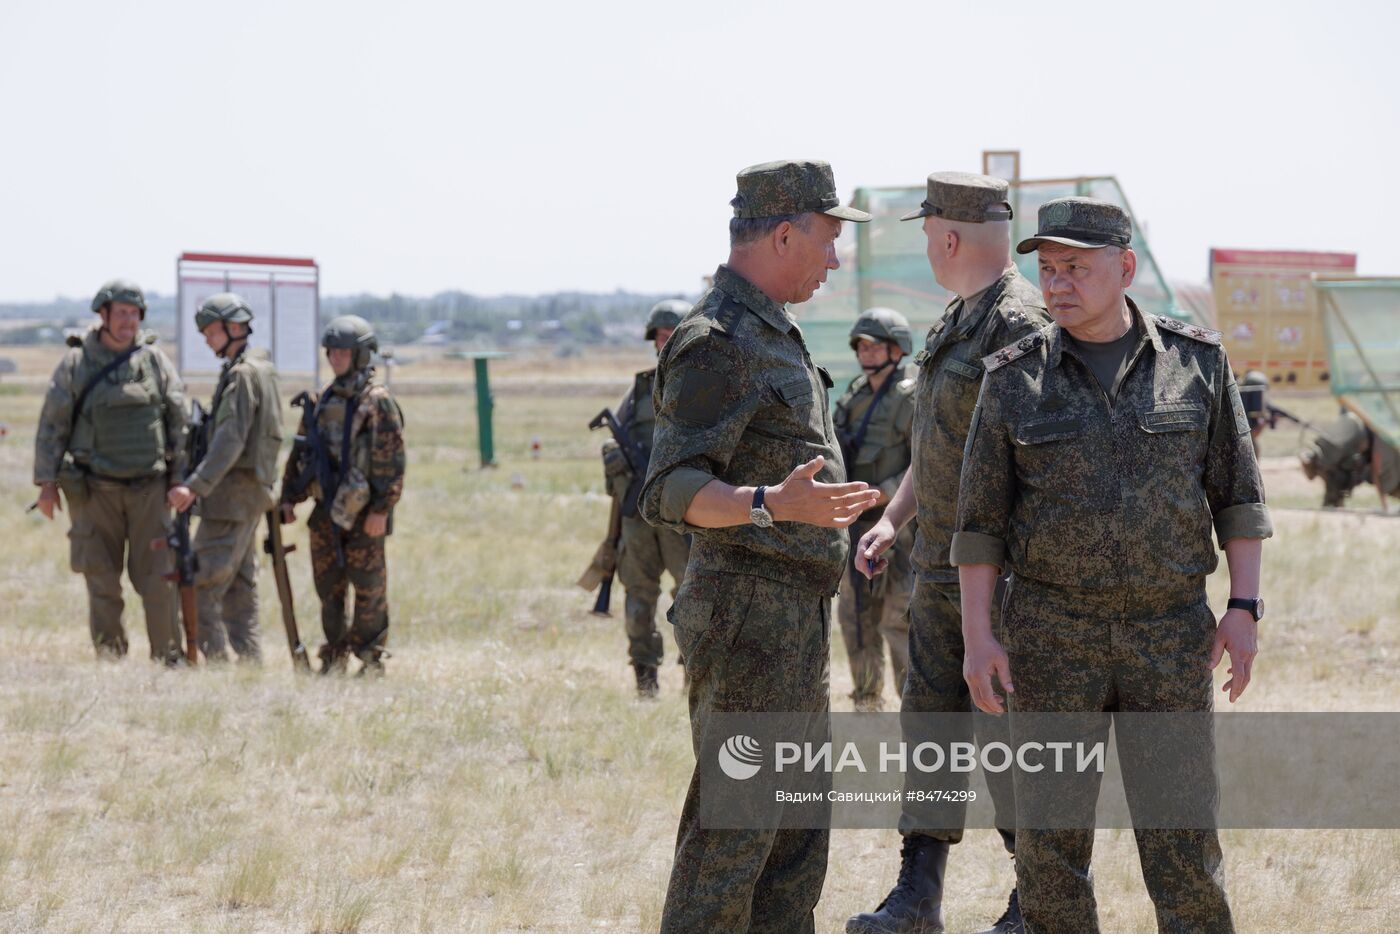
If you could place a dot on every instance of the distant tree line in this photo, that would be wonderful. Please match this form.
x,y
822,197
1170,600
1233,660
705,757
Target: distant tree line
x,y
454,317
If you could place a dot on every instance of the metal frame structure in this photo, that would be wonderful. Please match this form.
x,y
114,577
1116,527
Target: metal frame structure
x,y
296,269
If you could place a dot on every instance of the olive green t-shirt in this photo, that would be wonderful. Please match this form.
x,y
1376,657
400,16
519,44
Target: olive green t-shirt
x,y
1107,360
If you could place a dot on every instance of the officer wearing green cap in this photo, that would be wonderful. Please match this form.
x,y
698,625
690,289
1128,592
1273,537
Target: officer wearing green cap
x,y
111,433
233,480
646,552
873,420
357,427
745,458
966,222
1105,449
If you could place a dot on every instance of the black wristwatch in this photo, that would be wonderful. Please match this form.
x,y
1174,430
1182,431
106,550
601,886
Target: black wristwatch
x,y
758,513
1253,605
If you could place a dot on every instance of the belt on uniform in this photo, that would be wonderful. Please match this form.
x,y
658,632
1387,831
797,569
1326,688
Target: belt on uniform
x,y
123,481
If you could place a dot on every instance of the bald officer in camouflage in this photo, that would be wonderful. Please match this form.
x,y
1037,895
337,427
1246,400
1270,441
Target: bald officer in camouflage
x,y
111,433
967,227
233,481
1104,448
646,552
873,420
746,459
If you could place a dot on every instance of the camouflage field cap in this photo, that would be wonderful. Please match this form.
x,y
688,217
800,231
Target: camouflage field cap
x,y
791,186
964,196
1082,222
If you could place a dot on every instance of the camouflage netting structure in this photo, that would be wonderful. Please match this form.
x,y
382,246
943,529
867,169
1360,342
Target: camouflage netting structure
x,y
884,263
1361,317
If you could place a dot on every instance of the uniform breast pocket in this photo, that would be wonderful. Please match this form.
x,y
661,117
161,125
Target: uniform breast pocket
x,y
1048,450
793,403
1177,430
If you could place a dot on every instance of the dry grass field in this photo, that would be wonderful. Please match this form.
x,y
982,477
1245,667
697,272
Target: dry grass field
x,y
503,777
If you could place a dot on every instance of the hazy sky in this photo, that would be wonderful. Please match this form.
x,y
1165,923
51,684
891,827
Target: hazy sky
x,y
529,147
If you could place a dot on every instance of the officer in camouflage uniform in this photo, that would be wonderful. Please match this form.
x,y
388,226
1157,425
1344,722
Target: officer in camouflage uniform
x,y
646,552
1103,449
234,481
111,433
745,458
361,430
873,419
966,221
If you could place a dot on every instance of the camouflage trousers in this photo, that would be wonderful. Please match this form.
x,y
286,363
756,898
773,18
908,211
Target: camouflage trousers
x,y
935,685
873,614
750,645
365,569
1127,650
647,552
115,522
227,588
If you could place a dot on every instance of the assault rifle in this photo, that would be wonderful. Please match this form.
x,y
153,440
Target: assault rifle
x,y
603,568
177,540
314,463
278,551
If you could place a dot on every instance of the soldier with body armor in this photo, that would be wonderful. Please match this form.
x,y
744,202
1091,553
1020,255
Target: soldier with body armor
x,y
233,480
111,433
874,420
646,552
349,457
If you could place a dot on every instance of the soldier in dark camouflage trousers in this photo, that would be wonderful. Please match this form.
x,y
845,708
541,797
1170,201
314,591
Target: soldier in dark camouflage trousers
x,y
1103,450
740,404
348,527
966,222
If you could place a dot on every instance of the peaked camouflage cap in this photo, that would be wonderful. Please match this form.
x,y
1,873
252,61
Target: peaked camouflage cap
x,y
1081,222
791,186
966,197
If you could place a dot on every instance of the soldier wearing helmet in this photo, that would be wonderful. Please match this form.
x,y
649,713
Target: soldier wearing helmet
x,y
646,551
873,421
110,436
233,480
357,427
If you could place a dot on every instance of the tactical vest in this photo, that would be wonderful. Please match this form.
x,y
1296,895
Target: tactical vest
x,y
883,453
641,417
120,431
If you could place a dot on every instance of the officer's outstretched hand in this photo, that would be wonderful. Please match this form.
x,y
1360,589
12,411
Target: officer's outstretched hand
x,y
872,546
800,498
1237,634
983,658
49,500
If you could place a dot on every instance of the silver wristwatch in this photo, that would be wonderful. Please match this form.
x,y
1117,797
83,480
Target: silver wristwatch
x,y
758,513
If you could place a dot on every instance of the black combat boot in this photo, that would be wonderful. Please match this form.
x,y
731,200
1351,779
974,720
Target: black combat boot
x,y
915,904
647,686
1010,921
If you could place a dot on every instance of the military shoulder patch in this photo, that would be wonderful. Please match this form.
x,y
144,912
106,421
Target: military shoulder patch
x,y
701,396
1016,351
1194,331
727,317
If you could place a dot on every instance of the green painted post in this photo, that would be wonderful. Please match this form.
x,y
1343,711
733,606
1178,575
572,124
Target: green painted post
x,y
484,405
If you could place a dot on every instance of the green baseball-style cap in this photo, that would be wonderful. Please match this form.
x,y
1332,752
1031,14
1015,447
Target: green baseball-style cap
x,y
1081,222
966,197
791,186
